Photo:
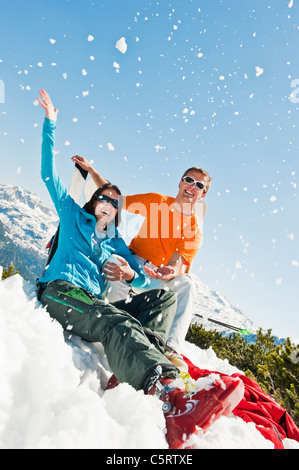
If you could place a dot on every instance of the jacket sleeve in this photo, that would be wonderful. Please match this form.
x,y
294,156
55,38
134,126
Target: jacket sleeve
x,y
55,186
140,279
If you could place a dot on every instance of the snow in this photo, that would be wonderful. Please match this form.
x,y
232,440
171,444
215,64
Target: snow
x,y
259,71
51,394
121,45
37,221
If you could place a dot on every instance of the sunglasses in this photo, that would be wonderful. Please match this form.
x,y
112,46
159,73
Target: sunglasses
x,y
104,198
190,180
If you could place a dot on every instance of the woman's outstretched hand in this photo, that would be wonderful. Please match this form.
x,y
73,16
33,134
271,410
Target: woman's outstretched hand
x,y
118,272
46,103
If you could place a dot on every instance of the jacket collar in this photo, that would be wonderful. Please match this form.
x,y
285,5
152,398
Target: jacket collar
x,y
112,231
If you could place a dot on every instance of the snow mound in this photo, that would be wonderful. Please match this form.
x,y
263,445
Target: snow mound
x,y
52,389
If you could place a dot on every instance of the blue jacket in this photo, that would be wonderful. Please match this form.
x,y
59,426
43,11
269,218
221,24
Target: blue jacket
x,y
74,260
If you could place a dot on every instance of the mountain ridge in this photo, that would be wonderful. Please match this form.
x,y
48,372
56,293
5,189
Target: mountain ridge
x,y
26,226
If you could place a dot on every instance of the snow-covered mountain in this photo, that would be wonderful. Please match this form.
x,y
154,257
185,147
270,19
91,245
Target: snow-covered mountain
x,y
213,305
26,226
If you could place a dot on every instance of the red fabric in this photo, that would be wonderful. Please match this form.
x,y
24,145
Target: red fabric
x,y
270,418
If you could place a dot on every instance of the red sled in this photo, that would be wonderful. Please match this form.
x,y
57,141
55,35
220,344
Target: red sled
x,y
271,419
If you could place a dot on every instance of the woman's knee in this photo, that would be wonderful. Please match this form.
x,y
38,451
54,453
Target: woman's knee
x,y
167,296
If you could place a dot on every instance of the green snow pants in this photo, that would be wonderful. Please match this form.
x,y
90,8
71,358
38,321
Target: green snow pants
x,y
133,332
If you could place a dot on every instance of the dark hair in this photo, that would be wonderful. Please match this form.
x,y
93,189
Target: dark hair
x,y
89,206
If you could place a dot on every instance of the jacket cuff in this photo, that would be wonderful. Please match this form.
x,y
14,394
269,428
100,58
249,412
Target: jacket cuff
x,y
49,123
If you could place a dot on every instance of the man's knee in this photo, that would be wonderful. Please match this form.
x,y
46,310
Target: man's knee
x,y
184,283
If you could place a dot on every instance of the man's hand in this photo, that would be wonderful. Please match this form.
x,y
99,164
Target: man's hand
x,y
86,165
173,268
83,163
164,273
118,272
46,103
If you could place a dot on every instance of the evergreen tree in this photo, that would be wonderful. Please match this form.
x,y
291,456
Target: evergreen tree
x,y
9,272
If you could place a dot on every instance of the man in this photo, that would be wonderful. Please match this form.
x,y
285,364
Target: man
x,y
166,244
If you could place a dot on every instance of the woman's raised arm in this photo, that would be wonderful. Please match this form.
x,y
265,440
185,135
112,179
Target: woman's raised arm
x,y
46,103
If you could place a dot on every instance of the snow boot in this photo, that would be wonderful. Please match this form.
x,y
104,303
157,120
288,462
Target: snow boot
x,y
188,413
178,361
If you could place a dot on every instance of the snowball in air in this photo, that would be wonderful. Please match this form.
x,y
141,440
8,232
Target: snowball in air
x,y
259,71
121,45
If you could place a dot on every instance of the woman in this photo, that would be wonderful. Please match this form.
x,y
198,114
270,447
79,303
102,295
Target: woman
x,y
72,284
132,333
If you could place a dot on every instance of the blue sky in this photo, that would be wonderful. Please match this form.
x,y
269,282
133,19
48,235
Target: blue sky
x,y
202,83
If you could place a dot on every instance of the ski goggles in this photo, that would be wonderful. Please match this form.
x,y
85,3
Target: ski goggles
x,y
104,198
190,180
